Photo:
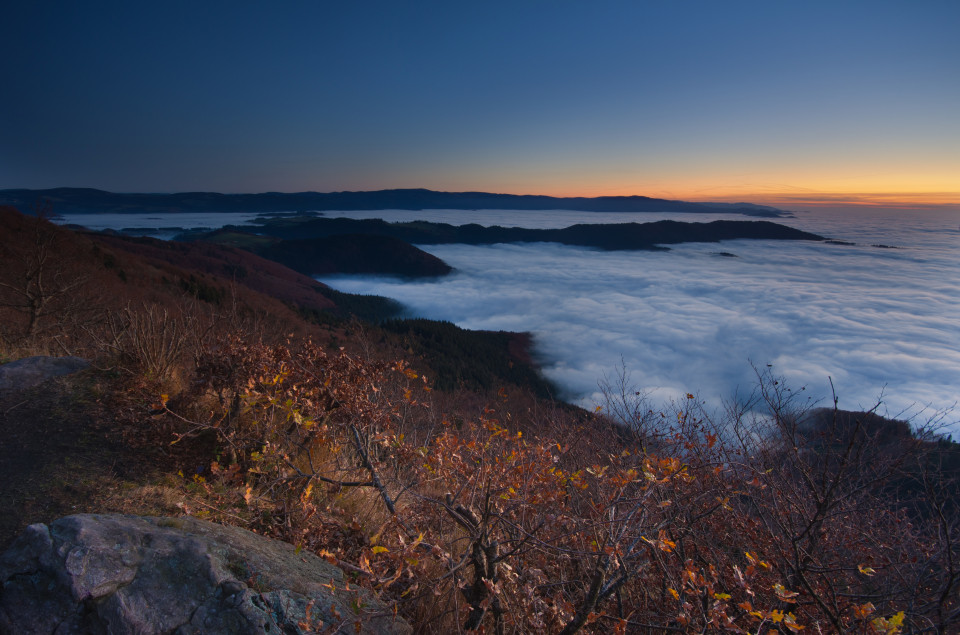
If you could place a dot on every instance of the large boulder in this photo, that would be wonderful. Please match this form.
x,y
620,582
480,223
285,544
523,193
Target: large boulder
x,y
33,371
110,573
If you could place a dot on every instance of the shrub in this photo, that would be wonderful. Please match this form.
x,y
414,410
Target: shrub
x,y
477,526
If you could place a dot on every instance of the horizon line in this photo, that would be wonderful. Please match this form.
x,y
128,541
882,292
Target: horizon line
x,y
774,198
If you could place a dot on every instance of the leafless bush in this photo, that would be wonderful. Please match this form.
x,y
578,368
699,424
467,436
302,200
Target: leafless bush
x,y
628,405
152,339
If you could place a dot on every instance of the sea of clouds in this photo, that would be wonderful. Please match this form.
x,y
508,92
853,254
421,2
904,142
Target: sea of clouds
x,y
882,323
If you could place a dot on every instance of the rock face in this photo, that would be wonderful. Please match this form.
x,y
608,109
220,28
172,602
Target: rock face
x,y
108,573
33,371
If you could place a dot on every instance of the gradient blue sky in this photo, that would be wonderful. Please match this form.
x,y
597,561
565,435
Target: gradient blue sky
x,y
776,101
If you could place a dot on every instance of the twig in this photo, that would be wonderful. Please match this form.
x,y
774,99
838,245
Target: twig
x,y
200,502
365,459
8,410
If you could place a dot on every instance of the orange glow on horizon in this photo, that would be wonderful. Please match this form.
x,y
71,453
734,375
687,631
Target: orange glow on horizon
x,y
776,198
935,188
781,195
853,199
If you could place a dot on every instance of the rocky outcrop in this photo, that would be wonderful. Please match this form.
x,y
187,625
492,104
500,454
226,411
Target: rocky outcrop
x,y
33,371
108,573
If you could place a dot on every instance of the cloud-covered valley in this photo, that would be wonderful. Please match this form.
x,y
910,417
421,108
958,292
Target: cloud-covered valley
x,y
882,323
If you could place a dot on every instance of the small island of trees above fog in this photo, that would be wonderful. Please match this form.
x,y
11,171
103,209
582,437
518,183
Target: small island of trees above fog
x,y
610,236
342,245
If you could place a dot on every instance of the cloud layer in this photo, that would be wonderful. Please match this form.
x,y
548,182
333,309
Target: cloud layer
x,y
882,323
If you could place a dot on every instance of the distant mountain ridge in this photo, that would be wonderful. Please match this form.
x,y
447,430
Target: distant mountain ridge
x,y
87,200
609,236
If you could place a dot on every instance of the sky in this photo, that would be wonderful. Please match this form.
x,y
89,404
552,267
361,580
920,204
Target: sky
x,y
797,104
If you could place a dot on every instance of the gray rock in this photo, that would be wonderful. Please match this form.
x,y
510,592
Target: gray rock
x,y
109,573
33,371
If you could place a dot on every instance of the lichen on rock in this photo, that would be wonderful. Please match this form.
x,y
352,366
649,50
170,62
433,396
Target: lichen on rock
x,y
110,573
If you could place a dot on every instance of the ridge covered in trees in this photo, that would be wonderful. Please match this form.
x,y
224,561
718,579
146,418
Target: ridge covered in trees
x,y
343,253
607,236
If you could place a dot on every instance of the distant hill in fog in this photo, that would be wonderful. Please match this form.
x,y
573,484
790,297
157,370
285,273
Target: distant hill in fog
x,y
85,200
608,236
342,253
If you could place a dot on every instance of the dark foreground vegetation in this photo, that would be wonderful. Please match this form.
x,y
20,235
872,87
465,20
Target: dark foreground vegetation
x,y
468,501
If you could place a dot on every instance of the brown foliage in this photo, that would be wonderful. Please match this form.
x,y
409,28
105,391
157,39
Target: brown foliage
x,y
478,526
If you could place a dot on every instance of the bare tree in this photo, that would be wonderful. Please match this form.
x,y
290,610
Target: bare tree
x,y
40,281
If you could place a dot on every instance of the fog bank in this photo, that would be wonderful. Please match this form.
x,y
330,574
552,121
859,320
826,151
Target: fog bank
x,y
882,323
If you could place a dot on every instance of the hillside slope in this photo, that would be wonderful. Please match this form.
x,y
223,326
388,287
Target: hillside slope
x,y
346,253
